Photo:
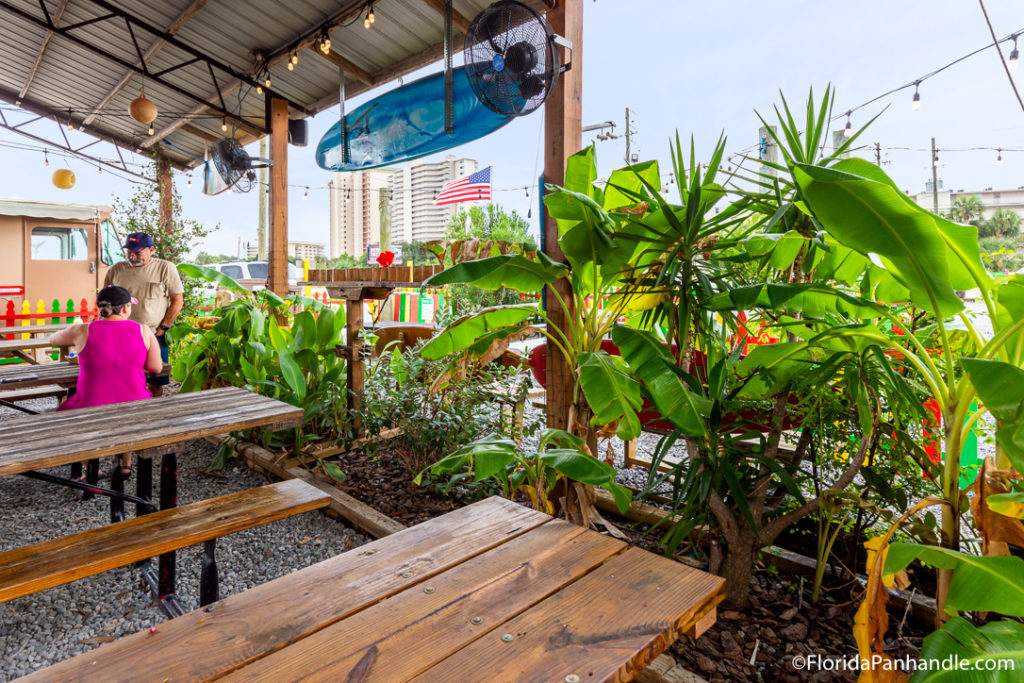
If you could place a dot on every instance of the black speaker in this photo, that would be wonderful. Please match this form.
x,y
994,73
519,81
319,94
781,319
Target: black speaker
x,y
298,132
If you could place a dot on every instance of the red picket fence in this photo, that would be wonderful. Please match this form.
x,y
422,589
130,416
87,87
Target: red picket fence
x,y
11,319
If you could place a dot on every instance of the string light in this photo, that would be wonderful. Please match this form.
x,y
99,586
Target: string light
x,y
305,195
223,125
46,159
1014,55
151,131
370,17
71,125
267,81
291,65
916,102
188,182
259,89
848,131
99,170
999,156
325,41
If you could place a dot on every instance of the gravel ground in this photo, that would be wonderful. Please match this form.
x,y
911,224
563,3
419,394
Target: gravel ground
x,y
55,624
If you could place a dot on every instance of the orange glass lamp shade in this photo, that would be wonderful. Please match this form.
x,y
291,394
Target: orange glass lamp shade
x,y
142,109
64,178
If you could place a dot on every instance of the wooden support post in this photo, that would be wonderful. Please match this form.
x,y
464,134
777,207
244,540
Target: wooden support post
x,y
353,326
278,252
562,138
166,193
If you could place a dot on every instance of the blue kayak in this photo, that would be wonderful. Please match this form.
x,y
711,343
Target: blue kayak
x,y
408,123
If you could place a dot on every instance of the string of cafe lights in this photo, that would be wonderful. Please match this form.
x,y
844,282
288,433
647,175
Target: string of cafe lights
x,y
1012,63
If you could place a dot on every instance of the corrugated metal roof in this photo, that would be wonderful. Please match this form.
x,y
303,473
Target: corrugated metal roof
x,y
70,76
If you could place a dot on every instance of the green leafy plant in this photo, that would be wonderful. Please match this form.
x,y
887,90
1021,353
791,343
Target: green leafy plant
x,y
293,360
560,458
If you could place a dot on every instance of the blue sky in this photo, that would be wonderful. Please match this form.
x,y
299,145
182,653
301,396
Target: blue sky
x,y
700,69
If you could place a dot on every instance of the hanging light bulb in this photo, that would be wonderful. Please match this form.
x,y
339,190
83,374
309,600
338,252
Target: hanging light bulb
x,y
46,159
370,15
259,90
291,66
366,22
295,58
223,125
151,131
71,125
916,102
267,81
305,195
1014,56
188,182
99,170
999,156
848,131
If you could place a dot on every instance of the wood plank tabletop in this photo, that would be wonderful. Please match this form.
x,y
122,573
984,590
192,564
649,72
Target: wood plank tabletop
x,y
9,346
50,439
491,591
21,376
32,329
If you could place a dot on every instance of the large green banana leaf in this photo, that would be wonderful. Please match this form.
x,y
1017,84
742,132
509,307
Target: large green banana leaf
x,y
812,299
874,218
211,275
611,392
980,583
650,360
465,331
1001,388
965,265
512,271
975,651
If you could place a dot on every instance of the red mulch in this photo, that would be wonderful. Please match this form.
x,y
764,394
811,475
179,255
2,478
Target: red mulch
x,y
777,621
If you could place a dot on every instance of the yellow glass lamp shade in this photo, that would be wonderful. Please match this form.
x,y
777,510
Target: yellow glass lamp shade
x,y
142,109
64,178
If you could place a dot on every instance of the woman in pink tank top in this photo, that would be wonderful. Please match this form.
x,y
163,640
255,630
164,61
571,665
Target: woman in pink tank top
x,y
114,354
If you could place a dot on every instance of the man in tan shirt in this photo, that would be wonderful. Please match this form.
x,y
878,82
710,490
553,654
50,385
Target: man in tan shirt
x,y
157,286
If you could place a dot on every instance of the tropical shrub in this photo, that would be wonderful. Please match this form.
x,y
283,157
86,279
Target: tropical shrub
x,y
282,348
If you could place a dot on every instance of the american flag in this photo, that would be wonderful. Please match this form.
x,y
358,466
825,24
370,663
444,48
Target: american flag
x,y
473,188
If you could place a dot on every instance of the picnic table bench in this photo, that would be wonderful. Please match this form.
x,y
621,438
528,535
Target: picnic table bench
x,y
48,328
492,591
27,382
155,427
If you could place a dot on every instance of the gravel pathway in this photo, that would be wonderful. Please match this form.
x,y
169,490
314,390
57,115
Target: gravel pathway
x,y
55,624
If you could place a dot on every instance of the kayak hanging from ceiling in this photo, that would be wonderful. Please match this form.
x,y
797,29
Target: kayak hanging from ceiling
x,y
408,123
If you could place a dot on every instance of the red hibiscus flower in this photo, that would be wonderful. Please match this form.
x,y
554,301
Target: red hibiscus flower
x,y
385,259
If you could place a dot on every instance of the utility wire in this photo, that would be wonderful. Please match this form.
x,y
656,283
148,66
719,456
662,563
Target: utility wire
x,y
1000,51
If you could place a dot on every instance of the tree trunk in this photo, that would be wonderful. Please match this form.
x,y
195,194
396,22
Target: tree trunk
x,y
738,571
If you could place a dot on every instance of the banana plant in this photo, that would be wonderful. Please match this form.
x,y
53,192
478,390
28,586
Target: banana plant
x,y
922,258
293,361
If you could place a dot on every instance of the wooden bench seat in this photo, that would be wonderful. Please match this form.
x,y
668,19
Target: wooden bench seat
x,y
29,393
54,562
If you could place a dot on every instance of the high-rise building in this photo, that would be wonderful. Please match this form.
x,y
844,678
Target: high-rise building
x,y
413,189
356,201
305,250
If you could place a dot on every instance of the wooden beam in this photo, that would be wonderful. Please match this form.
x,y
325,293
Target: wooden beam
x,y
165,190
225,90
362,75
157,45
200,133
400,68
277,281
42,50
459,20
562,138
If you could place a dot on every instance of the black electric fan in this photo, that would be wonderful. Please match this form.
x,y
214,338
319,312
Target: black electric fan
x,y
512,58
234,164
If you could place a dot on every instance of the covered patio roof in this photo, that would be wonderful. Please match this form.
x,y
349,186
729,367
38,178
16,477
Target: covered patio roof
x,y
204,63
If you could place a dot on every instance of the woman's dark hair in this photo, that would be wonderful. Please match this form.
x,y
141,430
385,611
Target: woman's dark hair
x,y
110,300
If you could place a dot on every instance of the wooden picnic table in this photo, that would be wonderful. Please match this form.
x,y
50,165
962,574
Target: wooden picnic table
x,y
493,591
151,427
21,376
19,348
49,328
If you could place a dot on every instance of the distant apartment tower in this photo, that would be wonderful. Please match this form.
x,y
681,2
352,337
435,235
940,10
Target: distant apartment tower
x,y
305,250
296,250
356,210
990,199
413,189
